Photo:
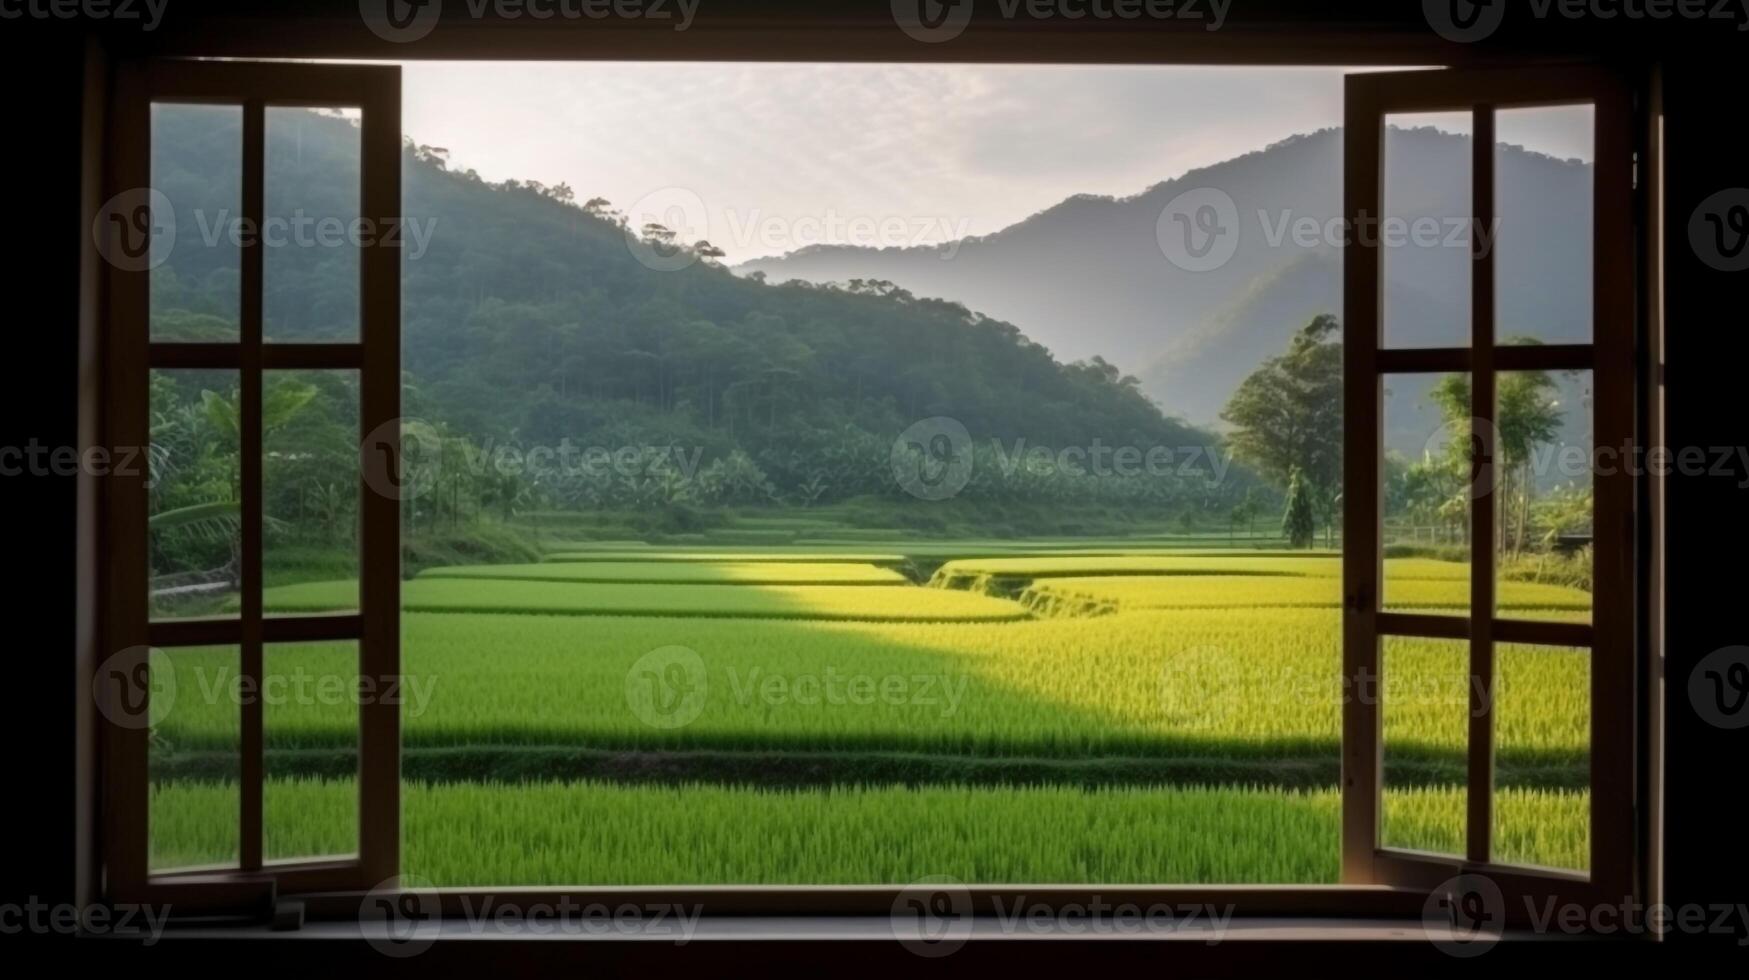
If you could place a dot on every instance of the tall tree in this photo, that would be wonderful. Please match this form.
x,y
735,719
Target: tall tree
x,y
1287,416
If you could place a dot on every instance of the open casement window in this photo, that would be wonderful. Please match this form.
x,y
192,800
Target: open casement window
x,y
215,669
1575,345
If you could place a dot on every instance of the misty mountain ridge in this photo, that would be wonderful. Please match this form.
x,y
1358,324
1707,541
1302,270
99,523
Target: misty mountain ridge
x,y
1088,277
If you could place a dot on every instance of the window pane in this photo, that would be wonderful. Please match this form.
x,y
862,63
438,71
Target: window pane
x,y
1542,266
1542,756
1425,702
197,166
1544,497
1426,493
1423,233
310,711
195,463
311,233
310,483
194,759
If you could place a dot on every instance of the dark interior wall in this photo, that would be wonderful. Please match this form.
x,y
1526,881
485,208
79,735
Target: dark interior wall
x,y
40,241
1708,516
41,70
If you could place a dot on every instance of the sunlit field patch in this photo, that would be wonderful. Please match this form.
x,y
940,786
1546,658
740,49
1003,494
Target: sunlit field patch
x,y
817,602
1104,594
682,573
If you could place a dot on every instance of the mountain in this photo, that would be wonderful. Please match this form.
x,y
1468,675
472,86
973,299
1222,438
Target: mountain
x,y
531,318
1089,277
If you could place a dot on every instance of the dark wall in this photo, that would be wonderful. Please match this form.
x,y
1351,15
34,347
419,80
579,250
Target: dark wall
x,y
1708,376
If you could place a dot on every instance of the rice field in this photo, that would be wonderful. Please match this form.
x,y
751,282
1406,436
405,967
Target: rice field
x,y
682,573
575,598
554,833
670,715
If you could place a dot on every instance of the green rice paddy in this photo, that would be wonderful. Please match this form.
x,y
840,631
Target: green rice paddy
x,y
666,715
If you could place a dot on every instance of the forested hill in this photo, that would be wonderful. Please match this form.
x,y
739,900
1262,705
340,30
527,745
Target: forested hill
x,y
527,316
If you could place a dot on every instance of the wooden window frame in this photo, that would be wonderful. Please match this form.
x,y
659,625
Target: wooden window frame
x,y
131,354
1615,866
1376,884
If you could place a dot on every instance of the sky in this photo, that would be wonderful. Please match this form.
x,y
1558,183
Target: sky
x,y
762,159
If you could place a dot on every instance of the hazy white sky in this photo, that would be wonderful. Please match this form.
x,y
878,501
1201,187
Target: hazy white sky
x,y
765,158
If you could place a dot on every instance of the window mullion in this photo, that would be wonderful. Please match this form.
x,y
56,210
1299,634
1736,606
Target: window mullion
x,y
250,438
1484,480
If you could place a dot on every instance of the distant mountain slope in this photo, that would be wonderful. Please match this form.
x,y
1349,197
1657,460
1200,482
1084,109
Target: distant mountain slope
x,y
1088,277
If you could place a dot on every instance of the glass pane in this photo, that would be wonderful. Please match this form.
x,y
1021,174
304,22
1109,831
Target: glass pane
x,y
197,167
310,710
193,531
1425,702
1423,234
311,231
1426,492
1542,757
1542,267
310,484
1545,495
193,763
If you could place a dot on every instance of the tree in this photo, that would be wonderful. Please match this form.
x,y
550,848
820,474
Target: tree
x,y
1297,525
1528,415
1288,415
